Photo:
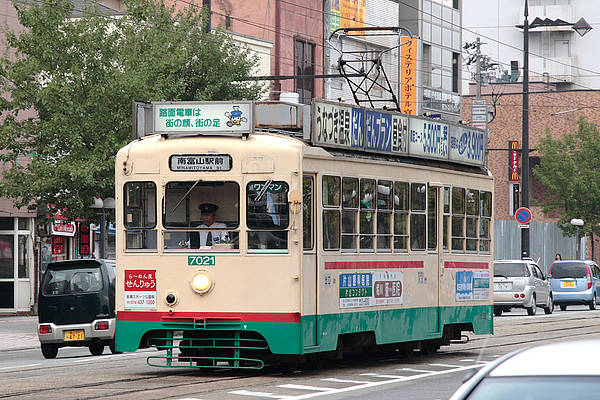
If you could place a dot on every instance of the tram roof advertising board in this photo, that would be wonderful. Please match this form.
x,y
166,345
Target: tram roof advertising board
x,y
350,127
214,118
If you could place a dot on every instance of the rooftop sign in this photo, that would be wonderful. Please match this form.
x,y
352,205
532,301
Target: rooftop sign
x,y
357,128
222,118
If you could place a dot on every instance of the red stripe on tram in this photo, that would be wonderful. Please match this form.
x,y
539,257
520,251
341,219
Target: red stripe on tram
x,y
373,264
212,316
466,265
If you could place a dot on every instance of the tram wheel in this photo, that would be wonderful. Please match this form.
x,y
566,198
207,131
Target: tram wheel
x,y
498,312
96,348
49,350
563,308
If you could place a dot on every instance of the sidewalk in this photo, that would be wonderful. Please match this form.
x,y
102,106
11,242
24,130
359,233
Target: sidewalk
x,y
17,333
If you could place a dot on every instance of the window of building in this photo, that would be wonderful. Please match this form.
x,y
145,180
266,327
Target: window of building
x,y
455,71
426,65
304,60
350,193
331,212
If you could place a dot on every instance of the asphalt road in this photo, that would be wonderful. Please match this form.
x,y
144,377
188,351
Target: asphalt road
x,y
75,374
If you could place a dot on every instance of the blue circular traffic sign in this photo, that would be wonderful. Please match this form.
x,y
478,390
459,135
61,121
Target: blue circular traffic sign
x,y
523,215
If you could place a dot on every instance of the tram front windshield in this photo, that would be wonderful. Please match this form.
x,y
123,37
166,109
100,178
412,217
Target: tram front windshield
x,y
202,215
206,215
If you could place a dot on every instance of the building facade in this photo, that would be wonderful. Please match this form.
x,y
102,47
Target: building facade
x,y
562,79
557,53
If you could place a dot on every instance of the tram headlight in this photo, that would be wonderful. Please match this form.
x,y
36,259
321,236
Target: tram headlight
x,y
201,282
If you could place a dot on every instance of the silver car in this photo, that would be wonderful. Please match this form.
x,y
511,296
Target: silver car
x,y
521,284
565,371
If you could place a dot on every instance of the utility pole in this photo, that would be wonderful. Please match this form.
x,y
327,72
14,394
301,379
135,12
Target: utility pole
x,y
525,133
478,66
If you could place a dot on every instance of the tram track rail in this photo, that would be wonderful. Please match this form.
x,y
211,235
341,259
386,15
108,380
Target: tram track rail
x,y
154,386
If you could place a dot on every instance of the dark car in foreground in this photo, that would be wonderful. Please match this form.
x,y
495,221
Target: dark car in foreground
x,y
575,282
562,371
76,306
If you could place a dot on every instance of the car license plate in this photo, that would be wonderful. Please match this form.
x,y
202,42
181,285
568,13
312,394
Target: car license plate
x,y
567,284
502,286
74,335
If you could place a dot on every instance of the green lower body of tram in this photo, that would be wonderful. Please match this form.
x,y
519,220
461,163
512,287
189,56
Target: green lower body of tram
x,y
234,343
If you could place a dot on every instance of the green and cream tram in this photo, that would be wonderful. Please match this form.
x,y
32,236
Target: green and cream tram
x,y
239,246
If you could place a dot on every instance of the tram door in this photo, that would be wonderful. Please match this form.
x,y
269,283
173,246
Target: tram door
x,y
309,262
434,241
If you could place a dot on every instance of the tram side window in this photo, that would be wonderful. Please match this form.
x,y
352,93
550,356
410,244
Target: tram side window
x,y
418,197
401,201
485,221
201,215
331,212
367,214
307,213
350,195
458,219
384,215
267,215
140,215
446,218
472,220
432,218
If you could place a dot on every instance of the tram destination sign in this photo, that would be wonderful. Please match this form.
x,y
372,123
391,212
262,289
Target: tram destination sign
x,y
350,127
211,118
200,162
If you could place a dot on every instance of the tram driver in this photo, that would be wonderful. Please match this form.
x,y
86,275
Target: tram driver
x,y
206,237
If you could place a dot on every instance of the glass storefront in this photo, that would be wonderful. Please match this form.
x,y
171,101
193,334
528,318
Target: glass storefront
x,y
16,264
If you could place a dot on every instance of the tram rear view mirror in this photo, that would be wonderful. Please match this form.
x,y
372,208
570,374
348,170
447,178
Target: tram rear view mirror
x,y
295,200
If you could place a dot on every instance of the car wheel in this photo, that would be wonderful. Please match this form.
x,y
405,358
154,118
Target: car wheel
x,y
549,306
49,350
113,348
563,308
533,309
593,303
497,312
96,348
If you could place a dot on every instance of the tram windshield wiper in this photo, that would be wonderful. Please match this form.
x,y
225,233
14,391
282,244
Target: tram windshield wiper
x,y
186,194
264,190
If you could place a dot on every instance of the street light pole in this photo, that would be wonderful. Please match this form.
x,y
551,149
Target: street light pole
x,y
102,232
525,133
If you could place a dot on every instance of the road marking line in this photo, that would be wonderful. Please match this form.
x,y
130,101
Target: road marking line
x,y
414,370
467,360
260,394
381,383
21,366
305,387
384,376
445,365
343,380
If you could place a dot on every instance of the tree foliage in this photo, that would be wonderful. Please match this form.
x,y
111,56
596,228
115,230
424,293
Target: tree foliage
x,y
570,169
69,84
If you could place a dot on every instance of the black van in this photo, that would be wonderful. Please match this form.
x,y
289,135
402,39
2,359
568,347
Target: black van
x,y
76,306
